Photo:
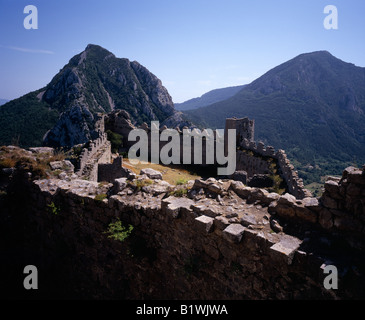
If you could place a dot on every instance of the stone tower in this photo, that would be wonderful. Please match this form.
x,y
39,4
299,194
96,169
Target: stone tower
x,y
245,129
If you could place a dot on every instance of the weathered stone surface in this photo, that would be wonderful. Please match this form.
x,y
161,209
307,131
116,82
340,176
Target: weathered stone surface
x,y
241,190
204,223
215,188
285,249
287,199
331,186
285,211
172,205
247,220
151,173
120,184
221,222
64,165
305,214
158,187
356,176
42,150
234,232
311,204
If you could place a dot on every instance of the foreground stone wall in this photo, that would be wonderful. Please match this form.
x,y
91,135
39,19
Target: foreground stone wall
x,y
225,241
341,209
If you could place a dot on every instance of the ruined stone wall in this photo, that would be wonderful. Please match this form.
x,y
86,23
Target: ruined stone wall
x,y
245,132
98,152
245,129
340,210
108,172
183,249
287,171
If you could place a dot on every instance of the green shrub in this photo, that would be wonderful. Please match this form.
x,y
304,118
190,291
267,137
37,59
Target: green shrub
x,y
181,181
179,192
118,232
54,209
116,140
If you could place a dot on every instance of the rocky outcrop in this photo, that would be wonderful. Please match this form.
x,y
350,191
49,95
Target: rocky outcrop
x,y
96,81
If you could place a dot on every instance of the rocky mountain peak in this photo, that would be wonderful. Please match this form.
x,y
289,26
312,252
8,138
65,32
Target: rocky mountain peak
x,y
97,81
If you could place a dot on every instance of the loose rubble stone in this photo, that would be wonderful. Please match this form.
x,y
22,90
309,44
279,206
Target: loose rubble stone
x,y
247,220
275,226
120,184
151,173
65,165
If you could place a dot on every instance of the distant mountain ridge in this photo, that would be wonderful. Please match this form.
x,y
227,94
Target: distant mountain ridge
x,y
313,106
209,98
3,101
94,81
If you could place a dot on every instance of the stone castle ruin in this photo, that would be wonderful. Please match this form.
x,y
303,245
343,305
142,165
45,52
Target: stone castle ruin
x,y
220,239
253,159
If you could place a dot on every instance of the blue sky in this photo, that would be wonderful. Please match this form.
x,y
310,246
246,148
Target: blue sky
x,y
193,46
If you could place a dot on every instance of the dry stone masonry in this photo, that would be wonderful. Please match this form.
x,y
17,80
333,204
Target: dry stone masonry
x,y
208,239
224,240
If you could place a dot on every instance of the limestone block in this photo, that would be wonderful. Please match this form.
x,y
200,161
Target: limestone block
x,y
285,211
356,176
234,233
241,190
306,214
172,205
212,211
62,165
152,174
312,204
287,199
221,223
119,184
247,220
331,186
215,188
204,223
285,249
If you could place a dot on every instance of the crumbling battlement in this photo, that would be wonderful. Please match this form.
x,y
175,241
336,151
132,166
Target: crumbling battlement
x,y
98,151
